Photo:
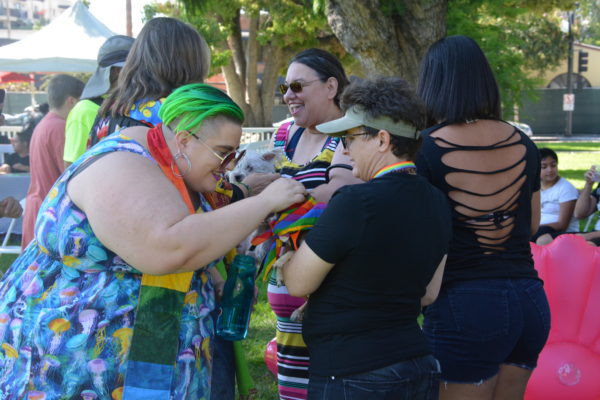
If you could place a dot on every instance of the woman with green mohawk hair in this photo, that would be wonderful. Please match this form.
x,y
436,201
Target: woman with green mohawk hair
x,y
117,294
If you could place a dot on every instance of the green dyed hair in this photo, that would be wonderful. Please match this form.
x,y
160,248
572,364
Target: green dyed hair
x,y
192,104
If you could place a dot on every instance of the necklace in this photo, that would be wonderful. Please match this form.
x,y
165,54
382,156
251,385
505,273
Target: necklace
x,y
405,167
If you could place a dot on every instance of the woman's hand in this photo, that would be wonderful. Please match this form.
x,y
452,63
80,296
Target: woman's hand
x,y
258,182
10,208
283,193
589,175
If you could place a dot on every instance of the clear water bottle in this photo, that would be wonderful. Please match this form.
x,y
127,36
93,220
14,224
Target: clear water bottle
x,y
236,302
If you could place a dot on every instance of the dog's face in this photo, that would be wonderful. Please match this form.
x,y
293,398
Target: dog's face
x,y
254,162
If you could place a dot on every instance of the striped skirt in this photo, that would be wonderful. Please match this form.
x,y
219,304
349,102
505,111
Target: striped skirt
x,y
292,353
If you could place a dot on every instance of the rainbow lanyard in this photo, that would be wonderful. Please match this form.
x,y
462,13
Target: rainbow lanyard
x,y
397,167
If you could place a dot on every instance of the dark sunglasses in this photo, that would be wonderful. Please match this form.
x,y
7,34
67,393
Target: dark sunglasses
x,y
345,141
295,86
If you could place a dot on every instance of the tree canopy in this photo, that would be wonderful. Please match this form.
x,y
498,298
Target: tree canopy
x,y
521,38
251,41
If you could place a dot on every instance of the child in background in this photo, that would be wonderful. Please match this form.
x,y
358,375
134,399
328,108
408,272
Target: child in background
x,y
558,197
19,160
587,206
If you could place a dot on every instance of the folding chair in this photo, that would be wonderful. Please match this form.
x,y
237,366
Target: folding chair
x,y
5,248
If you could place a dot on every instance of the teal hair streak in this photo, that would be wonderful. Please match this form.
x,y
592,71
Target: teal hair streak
x,y
196,102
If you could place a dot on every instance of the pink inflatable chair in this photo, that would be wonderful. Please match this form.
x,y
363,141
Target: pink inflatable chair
x,y
569,365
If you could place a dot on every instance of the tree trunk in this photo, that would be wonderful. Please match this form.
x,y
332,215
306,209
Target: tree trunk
x,y
388,43
235,44
251,71
274,61
235,88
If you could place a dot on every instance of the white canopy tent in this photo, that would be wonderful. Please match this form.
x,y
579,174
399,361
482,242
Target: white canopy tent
x,y
70,43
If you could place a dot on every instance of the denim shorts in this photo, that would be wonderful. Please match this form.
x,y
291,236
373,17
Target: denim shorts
x,y
415,379
475,326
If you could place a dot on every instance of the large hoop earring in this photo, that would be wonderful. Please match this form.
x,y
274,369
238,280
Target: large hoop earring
x,y
187,160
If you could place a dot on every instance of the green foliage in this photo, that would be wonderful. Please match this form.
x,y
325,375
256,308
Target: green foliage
x,y
285,23
589,22
209,28
518,37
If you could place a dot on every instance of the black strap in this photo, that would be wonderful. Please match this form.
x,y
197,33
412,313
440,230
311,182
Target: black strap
x,y
332,166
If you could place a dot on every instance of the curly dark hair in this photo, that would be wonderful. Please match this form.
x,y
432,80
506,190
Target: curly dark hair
x,y
391,97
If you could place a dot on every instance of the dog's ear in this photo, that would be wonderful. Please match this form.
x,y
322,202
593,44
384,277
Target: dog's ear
x,y
269,156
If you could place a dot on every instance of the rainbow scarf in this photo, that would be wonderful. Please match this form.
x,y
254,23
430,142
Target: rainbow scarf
x,y
287,226
155,340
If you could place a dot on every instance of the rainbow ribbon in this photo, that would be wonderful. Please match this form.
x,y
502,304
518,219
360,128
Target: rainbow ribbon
x,y
288,225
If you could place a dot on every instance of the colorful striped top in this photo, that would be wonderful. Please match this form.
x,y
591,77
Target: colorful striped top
x,y
311,174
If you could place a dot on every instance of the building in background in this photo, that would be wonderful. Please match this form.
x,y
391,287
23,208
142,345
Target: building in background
x,y
19,18
589,78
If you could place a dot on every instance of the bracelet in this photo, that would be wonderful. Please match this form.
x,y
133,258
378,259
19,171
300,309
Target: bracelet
x,y
247,188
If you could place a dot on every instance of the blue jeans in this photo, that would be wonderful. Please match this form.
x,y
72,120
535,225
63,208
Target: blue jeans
x,y
475,326
416,379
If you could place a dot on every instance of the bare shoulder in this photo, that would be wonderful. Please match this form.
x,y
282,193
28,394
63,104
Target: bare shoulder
x,y
121,177
477,133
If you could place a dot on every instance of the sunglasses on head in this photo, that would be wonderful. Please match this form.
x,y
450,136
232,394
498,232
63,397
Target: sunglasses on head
x,y
295,86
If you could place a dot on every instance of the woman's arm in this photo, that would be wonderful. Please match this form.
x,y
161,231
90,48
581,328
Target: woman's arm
x,y
305,272
136,212
18,167
590,235
433,288
535,212
586,203
338,177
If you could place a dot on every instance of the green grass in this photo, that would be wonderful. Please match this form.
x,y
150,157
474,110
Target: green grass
x,y
571,146
574,159
262,330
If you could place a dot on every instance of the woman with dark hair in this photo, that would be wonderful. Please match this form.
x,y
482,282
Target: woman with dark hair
x,y
491,319
112,298
368,275
313,85
167,54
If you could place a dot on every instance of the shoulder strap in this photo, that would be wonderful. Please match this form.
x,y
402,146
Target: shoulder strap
x,y
281,136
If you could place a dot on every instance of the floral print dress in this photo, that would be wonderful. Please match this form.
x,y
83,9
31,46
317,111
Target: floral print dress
x,y
68,304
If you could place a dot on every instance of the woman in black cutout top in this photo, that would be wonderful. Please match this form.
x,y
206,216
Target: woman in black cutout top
x,y
492,318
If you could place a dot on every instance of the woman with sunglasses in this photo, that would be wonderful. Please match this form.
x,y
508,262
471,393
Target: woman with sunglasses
x,y
112,298
313,85
374,257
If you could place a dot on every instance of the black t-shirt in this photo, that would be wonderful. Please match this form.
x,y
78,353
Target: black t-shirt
x,y
386,238
15,158
509,257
